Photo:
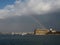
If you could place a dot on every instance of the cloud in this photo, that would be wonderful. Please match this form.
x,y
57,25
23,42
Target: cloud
x,y
27,7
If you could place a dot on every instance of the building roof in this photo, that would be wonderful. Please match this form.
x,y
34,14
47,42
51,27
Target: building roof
x,y
42,29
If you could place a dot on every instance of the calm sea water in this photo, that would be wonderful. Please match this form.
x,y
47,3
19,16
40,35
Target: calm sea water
x,y
29,40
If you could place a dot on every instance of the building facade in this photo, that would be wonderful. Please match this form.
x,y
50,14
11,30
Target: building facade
x,y
41,31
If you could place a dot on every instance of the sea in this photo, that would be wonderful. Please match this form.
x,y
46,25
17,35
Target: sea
x,y
29,39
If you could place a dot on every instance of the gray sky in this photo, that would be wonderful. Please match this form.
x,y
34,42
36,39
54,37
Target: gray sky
x,y
17,16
